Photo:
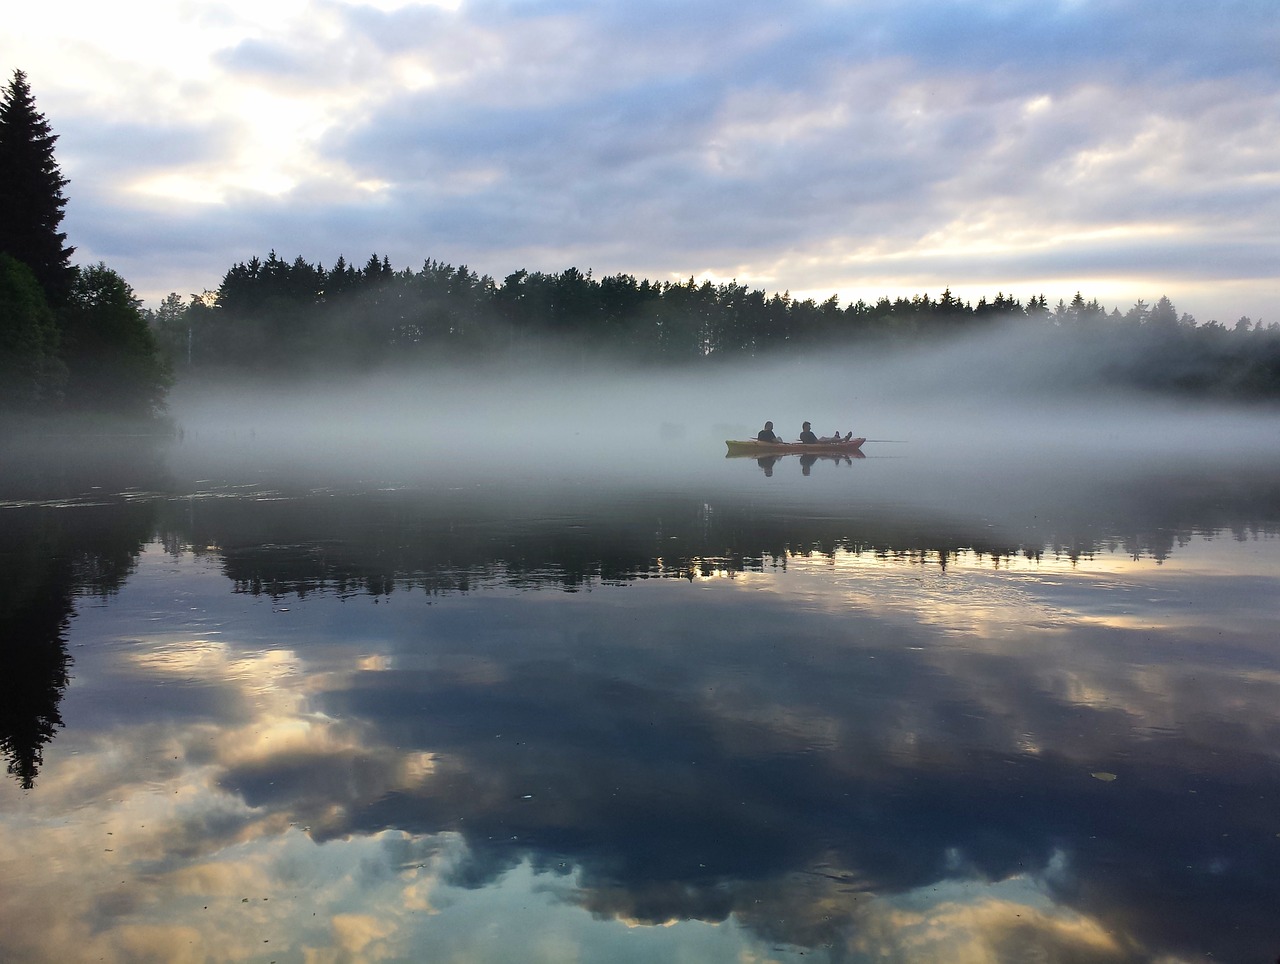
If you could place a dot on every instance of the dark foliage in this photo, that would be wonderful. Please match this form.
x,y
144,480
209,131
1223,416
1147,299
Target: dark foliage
x,y
112,356
275,316
31,372
31,184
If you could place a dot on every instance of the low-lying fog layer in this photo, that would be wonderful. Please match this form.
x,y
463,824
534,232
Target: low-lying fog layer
x,y
955,411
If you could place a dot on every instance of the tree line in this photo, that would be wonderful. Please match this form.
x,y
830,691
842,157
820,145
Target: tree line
x,y
72,338
277,314
274,316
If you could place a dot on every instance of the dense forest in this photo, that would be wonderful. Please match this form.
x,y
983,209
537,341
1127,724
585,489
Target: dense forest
x,y
276,316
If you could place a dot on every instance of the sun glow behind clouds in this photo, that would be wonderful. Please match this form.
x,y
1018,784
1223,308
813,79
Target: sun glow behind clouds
x,y
245,71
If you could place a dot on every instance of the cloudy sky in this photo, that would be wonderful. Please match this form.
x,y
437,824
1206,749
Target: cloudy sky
x,y
1123,148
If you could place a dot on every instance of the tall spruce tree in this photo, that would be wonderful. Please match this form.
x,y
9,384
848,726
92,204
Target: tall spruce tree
x,y
31,184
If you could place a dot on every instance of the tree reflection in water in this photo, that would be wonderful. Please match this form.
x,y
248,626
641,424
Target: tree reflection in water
x,y
68,533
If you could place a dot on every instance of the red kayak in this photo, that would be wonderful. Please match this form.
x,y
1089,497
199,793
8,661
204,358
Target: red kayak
x,y
754,447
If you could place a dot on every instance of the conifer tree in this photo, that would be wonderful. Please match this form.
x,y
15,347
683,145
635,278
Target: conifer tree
x,y
31,184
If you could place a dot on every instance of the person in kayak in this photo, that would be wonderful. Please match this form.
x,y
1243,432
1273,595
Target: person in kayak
x,y
806,435
766,434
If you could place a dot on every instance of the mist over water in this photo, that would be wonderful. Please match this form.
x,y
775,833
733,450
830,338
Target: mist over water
x,y
948,430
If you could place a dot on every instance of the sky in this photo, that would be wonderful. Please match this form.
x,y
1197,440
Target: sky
x,y
1125,149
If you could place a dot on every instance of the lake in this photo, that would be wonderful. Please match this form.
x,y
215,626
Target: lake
x,y
976,696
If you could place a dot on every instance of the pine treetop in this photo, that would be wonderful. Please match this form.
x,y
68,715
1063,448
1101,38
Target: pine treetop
x,y
31,200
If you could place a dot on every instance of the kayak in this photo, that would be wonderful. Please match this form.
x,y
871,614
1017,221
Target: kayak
x,y
753,447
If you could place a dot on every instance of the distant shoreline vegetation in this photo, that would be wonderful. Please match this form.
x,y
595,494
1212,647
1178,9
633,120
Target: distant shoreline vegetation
x,y
273,316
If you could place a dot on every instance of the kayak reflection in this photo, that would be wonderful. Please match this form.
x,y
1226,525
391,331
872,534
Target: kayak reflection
x,y
807,460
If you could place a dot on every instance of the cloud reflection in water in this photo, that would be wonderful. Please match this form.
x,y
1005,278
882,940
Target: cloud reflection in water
x,y
850,753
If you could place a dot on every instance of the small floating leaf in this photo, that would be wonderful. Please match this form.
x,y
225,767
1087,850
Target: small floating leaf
x,y
1103,775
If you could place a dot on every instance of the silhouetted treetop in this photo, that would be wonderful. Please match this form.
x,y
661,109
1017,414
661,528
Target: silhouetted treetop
x,y
31,186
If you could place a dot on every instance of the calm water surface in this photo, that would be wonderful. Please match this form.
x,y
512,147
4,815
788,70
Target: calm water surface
x,y
912,707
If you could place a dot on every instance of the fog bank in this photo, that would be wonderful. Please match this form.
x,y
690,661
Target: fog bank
x,y
969,399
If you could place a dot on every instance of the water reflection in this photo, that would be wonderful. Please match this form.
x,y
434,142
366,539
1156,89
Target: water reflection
x,y
355,723
806,461
50,555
